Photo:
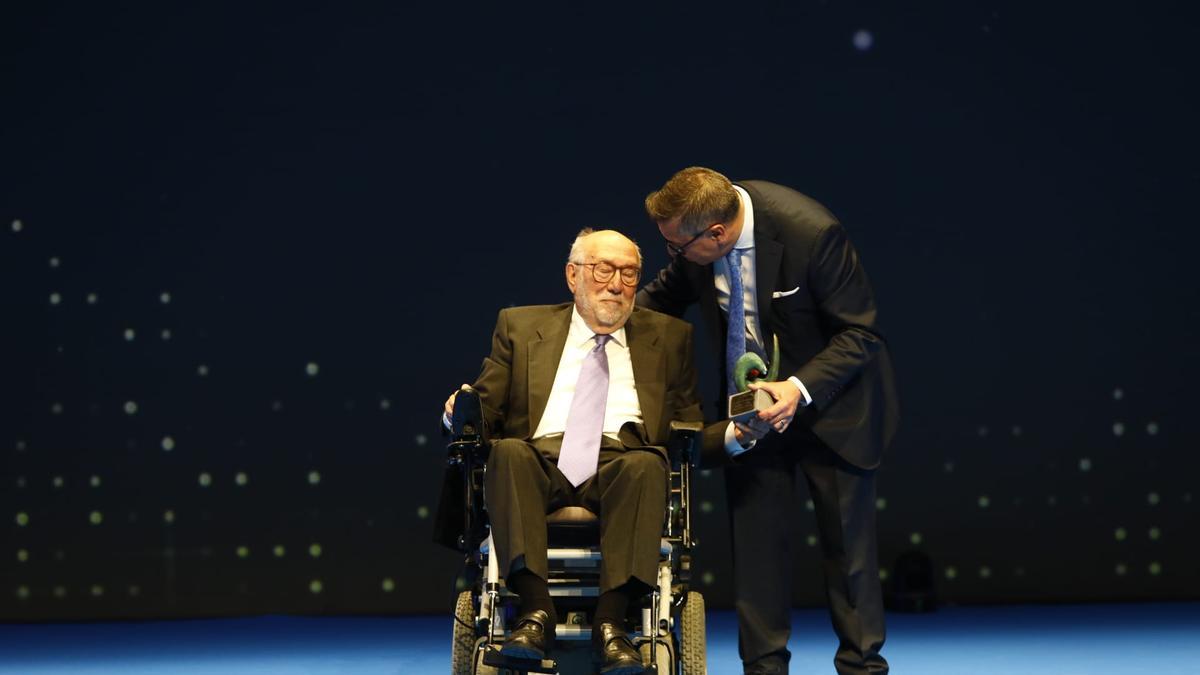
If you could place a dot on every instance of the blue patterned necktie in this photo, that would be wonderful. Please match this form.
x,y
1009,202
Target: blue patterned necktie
x,y
735,338
585,421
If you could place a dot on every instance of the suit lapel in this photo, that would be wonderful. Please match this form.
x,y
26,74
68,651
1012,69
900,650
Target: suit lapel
x,y
544,354
768,254
649,372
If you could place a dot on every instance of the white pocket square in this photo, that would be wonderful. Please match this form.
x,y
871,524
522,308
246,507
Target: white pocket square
x,y
784,294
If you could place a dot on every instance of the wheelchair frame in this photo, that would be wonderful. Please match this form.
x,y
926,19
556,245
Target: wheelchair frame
x,y
671,635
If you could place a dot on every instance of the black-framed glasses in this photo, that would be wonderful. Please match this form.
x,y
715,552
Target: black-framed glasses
x,y
603,271
678,250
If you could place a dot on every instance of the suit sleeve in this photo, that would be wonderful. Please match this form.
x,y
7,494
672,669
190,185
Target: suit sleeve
x,y
847,305
495,377
670,292
686,407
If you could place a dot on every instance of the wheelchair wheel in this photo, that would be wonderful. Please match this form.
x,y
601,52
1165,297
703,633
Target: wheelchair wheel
x,y
691,636
462,660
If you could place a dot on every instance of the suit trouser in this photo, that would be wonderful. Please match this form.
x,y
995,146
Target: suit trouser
x,y
761,491
522,484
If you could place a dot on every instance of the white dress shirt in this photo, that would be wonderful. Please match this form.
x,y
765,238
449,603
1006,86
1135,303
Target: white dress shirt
x,y
622,405
744,249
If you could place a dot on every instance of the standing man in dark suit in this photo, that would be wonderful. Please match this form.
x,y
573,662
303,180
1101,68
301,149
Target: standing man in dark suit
x,y
596,377
796,281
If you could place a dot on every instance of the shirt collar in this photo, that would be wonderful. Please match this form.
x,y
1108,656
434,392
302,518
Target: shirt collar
x,y
746,238
579,335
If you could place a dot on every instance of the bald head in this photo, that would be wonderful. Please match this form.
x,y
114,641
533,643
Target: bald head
x,y
602,273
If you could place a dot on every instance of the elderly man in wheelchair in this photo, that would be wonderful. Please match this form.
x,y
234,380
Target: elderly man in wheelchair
x,y
584,421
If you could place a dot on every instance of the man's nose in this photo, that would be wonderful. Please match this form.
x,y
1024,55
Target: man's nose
x,y
614,284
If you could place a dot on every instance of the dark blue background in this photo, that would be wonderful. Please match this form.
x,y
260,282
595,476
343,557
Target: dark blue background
x,y
361,188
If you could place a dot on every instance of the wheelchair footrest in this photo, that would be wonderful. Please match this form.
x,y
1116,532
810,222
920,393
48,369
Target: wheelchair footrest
x,y
492,657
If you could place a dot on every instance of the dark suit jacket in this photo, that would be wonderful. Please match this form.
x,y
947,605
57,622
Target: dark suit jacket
x,y
514,385
828,334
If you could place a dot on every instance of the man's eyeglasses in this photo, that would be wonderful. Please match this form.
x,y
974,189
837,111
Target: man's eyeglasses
x,y
602,272
678,250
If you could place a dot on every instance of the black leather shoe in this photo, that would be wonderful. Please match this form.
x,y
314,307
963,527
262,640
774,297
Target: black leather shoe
x,y
530,639
614,652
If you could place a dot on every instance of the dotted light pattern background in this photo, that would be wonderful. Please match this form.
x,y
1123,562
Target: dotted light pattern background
x,y
241,275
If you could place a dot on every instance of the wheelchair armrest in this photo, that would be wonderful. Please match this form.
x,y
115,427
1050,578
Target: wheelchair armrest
x,y
467,429
682,444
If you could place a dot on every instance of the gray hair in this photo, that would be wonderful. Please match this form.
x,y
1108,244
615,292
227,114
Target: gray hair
x,y
576,253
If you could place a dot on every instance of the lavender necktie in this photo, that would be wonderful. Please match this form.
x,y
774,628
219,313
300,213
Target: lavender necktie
x,y
585,421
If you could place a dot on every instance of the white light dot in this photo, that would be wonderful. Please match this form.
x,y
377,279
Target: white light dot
x,y
314,477
1155,569
706,506
131,407
385,404
240,478
23,592
55,262
863,39
20,481
421,439
808,505
1152,428
279,550
95,518
1120,534
811,540
164,298
388,585
22,519
22,555
202,370
1121,569
17,226
1118,428
315,550
166,334
94,481
243,552
706,473
315,586
951,572
1051,500
1085,464
168,444
56,408
134,591
168,516
1118,394
984,501
276,406
1155,534
55,298
422,512
92,298
915,538
312,369
205,479
1017,431
883,574
983,431
948,467
21,446
881,504
708,578
97,590
130,334
1153,499
985,572
60,592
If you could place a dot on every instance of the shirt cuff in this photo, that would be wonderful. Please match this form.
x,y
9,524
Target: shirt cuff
x,y
803,392
732,447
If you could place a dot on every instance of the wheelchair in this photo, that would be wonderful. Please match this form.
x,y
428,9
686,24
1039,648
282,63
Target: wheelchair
x,y
667,625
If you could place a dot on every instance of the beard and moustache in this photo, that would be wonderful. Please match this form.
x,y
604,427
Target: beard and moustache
x,y
606,314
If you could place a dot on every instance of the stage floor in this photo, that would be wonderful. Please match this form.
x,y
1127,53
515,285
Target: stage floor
x,y
1155,639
